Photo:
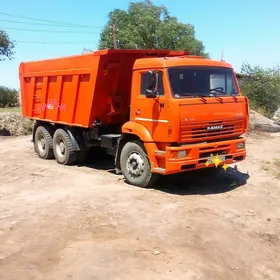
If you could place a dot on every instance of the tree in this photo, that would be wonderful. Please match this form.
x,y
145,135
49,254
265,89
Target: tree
x,y
6,46
8,97
262,87
147,26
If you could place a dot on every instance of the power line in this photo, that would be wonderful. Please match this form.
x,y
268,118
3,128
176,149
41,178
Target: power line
x,y
44,20
45,24
47,31
45,42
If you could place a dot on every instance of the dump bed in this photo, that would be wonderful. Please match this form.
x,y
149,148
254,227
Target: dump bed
x,y
82,89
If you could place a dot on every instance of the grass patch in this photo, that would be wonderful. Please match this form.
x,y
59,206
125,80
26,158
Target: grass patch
x,y
277,162
262,111
11,109
272,168
265,167
266,161
277,175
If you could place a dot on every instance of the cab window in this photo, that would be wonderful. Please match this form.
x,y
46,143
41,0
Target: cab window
x,y
146,82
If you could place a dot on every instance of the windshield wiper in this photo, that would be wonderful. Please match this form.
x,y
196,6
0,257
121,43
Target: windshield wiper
x,y
203,97
195,95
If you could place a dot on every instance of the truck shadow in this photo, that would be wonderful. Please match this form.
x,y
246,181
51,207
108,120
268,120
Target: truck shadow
x,y
202,182
197,182
99,160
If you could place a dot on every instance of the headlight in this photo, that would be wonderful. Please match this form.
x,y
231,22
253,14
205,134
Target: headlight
x,y
240,145
182,154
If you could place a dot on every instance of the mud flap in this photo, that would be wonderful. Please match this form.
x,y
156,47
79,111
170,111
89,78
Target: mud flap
x,y
118,156
73,140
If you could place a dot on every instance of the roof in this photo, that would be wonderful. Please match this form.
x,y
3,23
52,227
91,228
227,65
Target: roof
x,y
147,52
161,62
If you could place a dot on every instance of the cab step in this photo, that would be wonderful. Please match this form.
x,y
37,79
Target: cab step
x,y
160,170
160,153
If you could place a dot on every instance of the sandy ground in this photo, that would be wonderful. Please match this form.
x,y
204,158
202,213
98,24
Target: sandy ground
x,y
83,222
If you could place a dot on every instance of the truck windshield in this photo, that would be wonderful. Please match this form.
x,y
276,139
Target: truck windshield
x,y
202,81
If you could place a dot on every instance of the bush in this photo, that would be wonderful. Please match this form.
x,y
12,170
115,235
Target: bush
x,y
262,87
8,97
27,127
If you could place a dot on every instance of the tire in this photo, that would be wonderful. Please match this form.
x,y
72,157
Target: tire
x,y
82,156
43,142
63,149
140,175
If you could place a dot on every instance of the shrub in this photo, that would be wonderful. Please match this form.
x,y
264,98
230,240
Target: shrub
x,y
8,97
262,87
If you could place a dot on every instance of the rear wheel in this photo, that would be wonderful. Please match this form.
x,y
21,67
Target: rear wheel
x,y
135,165
63,148
43,142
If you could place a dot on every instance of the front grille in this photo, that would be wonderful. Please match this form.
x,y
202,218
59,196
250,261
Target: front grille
x,y
197,131
203,132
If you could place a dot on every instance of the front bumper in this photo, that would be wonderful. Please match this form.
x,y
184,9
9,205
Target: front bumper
x,y
198,156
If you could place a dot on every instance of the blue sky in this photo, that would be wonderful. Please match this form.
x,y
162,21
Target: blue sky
x,y
247,31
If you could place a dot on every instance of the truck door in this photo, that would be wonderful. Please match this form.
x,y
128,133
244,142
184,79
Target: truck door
x,y
151,112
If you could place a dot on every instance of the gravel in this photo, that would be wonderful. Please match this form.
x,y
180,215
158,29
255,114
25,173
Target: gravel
x,y
13,124
262,123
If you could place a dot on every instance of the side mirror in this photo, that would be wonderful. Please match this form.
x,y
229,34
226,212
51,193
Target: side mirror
x,y
151,91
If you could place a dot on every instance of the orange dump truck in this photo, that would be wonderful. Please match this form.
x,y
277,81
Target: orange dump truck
x,y
156,112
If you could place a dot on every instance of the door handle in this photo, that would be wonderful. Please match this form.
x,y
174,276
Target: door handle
x,y
137,112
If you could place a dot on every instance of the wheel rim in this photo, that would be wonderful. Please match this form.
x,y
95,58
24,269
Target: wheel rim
x,y
60,147
41,144
135,165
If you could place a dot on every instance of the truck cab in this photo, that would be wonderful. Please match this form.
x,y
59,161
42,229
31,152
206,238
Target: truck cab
x,y
189,113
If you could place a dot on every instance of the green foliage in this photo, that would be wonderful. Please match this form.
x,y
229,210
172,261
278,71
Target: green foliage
x,y
10,109
262,87
6,46
8,97
147,26
27,127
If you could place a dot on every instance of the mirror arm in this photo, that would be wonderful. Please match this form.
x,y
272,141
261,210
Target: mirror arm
x,y
153,93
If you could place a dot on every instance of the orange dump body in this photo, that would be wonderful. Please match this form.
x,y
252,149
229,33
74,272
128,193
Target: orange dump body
x,y
79,90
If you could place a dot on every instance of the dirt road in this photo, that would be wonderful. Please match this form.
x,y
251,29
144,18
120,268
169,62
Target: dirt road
x,y
83,222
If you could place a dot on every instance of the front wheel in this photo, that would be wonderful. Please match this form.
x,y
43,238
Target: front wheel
x,y
135,165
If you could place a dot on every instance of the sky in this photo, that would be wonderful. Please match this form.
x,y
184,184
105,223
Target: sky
x,y
245,31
